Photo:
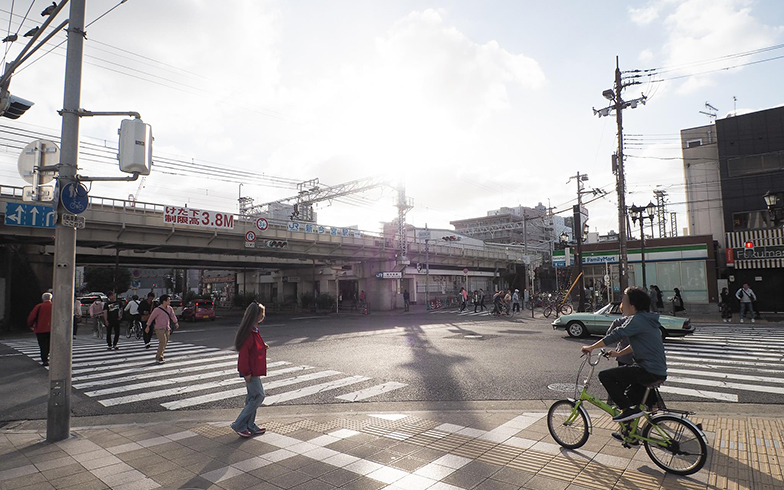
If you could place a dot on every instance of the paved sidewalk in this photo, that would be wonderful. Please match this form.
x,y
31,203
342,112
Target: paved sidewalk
x,y
488,446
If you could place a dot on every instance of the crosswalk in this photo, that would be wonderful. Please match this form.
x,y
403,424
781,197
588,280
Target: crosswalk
x,y
467,312
197,376
726,363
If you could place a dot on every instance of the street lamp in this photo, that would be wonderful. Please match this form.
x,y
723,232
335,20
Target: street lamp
x,y
636,213
774,202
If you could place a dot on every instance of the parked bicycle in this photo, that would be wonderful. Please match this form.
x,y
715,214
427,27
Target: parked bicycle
x,y
673,442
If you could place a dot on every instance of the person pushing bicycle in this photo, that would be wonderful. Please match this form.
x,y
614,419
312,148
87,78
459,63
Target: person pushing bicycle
x,y
624,384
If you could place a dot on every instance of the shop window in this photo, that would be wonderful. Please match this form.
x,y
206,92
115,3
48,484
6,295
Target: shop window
x,y
694,283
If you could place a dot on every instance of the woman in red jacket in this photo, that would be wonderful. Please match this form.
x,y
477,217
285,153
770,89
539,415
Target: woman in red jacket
x,y
40,322
252,363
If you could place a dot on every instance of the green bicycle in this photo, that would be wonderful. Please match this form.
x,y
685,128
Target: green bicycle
x,y
673,442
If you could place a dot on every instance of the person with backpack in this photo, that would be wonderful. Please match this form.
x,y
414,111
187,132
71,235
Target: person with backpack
x,y
747,298
161,319
677,302
251,364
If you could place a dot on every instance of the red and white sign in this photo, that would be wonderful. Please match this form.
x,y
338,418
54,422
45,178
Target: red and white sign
x,y
198,217
730,256
262,224
250,236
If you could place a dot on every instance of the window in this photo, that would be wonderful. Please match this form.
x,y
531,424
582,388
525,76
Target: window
x,y
693,143
755,164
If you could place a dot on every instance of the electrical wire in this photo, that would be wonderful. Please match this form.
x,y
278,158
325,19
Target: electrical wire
x,y
720,69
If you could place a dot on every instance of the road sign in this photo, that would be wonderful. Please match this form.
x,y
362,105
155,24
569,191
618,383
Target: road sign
x,y
389,275
465,271
33,215
39,153
73,221
250,244
44,193
262,224
74,197
423,234
250,236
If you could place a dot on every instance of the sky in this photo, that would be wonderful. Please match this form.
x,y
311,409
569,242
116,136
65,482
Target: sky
x,y
474,105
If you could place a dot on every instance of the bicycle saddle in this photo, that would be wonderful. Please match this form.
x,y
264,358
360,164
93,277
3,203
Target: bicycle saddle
x,y
655,384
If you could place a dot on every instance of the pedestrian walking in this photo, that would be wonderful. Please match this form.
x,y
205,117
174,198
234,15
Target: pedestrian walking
x,y
677,302
659,299
161,319
406,300
463,297
96,313
653,293
482,306
77,315
724,305
112,314
145,308
516,301
40,322
747,298
508,302
251,364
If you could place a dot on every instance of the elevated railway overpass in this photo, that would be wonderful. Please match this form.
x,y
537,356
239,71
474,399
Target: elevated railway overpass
x,y
139,234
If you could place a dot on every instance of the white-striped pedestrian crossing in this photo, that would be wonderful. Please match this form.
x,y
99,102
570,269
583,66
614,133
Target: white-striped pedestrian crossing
x,y
451,311
726,362
195,376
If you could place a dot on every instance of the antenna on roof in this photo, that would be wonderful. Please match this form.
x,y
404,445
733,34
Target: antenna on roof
x,y
711,112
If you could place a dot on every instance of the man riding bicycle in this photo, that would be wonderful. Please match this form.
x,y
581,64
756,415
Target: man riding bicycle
x,y
624,384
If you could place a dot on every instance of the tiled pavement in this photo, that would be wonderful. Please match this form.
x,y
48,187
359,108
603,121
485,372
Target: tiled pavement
x,y
500,449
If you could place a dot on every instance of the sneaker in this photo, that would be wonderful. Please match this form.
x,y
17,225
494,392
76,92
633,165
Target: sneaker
x,y
752,320
44,364
244,433
146,346
259,431
741,320
630,413
108,347
160,361
116,348
621,437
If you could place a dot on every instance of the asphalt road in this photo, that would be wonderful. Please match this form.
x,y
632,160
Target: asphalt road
x,y
377,358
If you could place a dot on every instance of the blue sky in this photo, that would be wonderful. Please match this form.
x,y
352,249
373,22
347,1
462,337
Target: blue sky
x,y
477,104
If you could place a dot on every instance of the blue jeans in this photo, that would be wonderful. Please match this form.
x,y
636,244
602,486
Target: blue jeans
x,y
247,418
744,307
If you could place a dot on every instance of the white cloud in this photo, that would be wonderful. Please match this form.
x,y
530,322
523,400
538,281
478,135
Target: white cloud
x,y
644,15
645,55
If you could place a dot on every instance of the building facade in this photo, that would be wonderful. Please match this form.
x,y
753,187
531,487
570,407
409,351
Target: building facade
x,y
702,175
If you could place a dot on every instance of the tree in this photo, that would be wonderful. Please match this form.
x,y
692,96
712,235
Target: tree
x,y
101,279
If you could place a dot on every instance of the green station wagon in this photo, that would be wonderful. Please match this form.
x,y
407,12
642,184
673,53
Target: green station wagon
x,y
597,323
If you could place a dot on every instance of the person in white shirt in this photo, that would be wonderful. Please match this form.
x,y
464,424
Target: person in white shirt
x,y
96,313
747,298
77,314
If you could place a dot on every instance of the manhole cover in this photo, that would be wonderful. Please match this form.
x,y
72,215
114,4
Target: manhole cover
x,y
475,336
563,387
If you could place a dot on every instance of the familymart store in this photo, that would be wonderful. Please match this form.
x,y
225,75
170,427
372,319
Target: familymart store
x,y
687,263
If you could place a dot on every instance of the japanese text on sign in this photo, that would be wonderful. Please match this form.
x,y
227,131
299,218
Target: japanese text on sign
x,y
198,217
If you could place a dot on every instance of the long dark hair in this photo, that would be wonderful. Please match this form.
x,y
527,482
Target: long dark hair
x,y
249,320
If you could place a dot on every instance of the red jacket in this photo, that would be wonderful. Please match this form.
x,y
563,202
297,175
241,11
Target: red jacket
x,y
253,356
40,319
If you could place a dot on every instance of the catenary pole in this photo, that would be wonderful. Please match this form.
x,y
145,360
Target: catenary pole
x,y
623,267
58,420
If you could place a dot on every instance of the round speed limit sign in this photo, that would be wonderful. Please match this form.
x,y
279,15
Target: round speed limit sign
x,y
262,224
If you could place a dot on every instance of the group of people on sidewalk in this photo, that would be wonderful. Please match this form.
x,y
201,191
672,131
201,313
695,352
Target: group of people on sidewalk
x,y
747,300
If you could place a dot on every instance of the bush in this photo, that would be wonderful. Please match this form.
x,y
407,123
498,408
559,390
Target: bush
x,y
307,300
325,301
192,295
243,300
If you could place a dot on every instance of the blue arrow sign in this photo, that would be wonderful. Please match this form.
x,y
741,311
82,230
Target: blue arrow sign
x,y
74,197
33,215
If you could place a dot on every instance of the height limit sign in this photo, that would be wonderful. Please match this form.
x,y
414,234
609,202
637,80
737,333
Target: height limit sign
x,y
250,239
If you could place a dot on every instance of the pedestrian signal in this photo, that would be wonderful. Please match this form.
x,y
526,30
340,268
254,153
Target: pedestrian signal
x,y
277,243
748,250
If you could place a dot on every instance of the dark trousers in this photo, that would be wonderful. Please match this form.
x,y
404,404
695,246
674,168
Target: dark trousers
x,y
43,344
109,328
516,307
75,325
147,335
624,384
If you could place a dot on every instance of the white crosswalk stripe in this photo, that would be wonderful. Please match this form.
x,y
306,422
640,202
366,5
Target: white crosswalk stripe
x,y
194,376
460,313
732,361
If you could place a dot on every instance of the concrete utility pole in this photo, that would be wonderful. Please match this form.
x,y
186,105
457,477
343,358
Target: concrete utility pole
x,y
58,420
623,260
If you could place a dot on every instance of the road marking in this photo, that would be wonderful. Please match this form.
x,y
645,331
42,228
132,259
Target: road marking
x,y
697,360
305,317
740,377
311,390
724,384
739,366
147,365
727,397
222,395
372,391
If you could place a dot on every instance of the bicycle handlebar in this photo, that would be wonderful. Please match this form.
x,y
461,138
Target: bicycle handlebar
x,y
602,353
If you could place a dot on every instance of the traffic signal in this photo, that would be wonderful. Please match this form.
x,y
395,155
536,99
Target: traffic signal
x,y
748,250
12,106
277,243
450,238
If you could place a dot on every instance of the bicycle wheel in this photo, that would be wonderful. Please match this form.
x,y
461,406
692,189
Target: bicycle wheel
x,y
685,451
566,309
548,310
130,330
569,431
101,331
138,329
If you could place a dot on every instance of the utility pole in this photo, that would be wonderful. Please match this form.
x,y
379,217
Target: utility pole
x,y
618,105
58,420
427,270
